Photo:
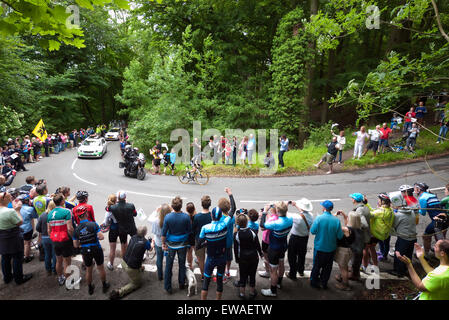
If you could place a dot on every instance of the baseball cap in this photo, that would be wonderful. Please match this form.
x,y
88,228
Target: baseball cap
x,y
121,195
328,205
357,196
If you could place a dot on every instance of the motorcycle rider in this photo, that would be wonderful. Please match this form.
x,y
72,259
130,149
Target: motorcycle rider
x,y
130,156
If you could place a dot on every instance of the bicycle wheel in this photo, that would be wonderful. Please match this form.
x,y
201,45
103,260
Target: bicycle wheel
x,y
201,178
182,177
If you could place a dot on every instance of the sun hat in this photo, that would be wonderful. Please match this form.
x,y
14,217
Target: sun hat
x,y
304,204
357,196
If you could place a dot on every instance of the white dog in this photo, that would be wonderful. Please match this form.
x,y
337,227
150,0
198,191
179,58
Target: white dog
x,y
191,280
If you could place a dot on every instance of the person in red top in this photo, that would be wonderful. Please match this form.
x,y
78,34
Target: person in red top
x,y
82,197
383,141
408,119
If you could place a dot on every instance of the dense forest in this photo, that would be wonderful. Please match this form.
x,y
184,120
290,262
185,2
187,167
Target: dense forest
x,y
286,64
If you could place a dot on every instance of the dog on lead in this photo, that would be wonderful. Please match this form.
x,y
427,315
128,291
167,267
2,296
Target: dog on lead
x,y
191,279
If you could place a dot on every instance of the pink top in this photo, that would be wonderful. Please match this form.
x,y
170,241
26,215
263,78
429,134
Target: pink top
x,y
266,233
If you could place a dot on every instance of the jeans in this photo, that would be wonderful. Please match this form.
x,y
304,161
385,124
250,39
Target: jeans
x,y
297,249
405,247
407,125
340,152
17,270
234,157
182,252
443,133
61,146
50,257
281,158
159,261
385,247
322,267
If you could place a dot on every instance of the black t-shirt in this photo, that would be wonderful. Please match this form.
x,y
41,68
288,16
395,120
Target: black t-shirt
x,y
332,149
246,245
346,242
124,213
199,220
86,232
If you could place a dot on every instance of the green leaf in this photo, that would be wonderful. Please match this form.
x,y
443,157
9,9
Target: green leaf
x,y
53,45
122,4
85,4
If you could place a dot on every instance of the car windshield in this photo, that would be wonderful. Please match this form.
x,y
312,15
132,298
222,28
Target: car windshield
x,y
114,130
91,143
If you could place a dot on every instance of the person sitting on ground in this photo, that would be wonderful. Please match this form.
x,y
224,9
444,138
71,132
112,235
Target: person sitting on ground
x,y
280,229
246,251
30,181
435,286
269,160
87,235
327,230
404,227
329,157
132,263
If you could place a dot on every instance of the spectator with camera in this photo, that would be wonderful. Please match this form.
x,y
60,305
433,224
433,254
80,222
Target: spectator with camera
x,y
404,228
299,237
279,230
436,283
132,263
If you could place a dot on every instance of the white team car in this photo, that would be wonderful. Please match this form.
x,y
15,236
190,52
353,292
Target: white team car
x,y
92,148
112,134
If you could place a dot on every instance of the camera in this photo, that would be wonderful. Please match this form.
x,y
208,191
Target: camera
x,y
243,211
289,202
441,222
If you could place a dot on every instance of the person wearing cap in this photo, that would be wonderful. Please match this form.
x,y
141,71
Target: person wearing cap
x,y
280,229
299,237
124,214
213,235
428,203
175,239
364,212
327,230
404,228
28,214
11,240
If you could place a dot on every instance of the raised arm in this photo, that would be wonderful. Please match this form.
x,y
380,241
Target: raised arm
x,y
231,199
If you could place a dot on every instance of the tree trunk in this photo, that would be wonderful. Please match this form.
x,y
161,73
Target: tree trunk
x,y
328,88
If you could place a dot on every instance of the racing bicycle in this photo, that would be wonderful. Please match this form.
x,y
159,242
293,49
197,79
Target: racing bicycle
x,y
199,176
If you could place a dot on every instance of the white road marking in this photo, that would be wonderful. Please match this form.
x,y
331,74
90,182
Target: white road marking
x,y
265,201
152,195
73,163
76,176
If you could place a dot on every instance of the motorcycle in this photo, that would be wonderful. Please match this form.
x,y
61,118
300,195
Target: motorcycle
x,y
135,168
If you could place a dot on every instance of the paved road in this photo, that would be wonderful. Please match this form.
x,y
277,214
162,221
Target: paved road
x,y
102,177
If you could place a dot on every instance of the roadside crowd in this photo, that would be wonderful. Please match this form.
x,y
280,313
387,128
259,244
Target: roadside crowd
x,y
218,235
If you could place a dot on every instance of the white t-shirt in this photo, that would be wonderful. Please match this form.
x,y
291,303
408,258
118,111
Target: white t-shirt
x,y
361,137
375,135
299,227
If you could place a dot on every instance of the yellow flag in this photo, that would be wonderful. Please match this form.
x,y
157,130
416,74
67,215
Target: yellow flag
x,y
40,131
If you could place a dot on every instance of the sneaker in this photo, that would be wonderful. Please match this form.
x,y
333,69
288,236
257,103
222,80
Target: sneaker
x,y
268,293
114,295
226,278
106,286
91,289
391,253
110,266
264,274
61,280
438,141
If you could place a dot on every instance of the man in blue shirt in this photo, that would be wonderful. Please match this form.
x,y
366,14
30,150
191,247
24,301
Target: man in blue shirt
x,y
28,214
280,229
283,149
228,208
327,230
420,112
175,235
426,201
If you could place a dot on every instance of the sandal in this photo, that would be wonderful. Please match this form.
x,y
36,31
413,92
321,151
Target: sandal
x,y
338,278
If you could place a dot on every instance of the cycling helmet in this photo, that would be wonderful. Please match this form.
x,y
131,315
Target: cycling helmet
x,y
422,186
24,197
216,214
383,196
82,195
405,187
13,192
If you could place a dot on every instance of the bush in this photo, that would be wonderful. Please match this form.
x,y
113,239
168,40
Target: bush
x,y
319,135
